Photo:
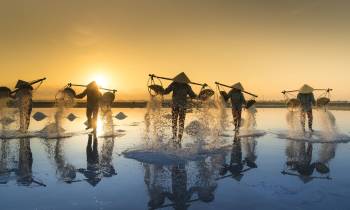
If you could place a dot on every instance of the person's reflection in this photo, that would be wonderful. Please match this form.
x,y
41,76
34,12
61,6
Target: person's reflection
x,y
153,180
237,163
180,196
299,162
92,171
66,171
299,157
206,183
25,162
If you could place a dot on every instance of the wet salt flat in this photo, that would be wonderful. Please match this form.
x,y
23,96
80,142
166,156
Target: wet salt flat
x,y
128,170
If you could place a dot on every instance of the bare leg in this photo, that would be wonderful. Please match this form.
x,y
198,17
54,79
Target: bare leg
x,y
236,118
175,115
310,118
302,120
182,117
88,116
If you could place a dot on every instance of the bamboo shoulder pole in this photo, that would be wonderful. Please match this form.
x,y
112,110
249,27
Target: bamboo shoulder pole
x,y
165,78
218,83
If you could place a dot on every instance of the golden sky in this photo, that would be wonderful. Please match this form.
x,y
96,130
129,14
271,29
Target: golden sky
x,y
267,45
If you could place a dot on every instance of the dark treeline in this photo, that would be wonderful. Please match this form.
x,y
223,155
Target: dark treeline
x,y
342,105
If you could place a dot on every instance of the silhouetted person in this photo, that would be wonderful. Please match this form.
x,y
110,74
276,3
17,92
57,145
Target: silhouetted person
x,y
237,101
24,103
181,89
307,100
92,171
93,99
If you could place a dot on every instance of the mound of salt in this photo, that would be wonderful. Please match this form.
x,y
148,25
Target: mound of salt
x,y
71,117
194,128
38,116
121,116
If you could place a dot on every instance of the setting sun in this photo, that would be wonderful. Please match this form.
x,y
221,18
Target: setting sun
x,y
101,80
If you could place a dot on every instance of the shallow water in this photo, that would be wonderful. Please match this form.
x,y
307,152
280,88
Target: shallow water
x,y
66,174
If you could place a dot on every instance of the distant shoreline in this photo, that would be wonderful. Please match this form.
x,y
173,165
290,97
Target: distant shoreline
x,y
336,105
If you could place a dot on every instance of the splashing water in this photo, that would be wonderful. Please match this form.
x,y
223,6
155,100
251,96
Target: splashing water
x,y
220,104
24,105
6,116
327,123
293,122
156,121
64,101
209,117
107,123
249,122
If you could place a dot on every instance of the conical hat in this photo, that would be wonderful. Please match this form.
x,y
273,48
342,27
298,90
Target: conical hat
x,y
237,86
306,89
92,85
182,78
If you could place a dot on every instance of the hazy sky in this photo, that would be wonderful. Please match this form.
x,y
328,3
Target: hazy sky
x,y
267,45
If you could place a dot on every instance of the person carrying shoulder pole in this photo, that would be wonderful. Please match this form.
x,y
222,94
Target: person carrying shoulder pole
x,y
181,89
237,100
93,103
307,100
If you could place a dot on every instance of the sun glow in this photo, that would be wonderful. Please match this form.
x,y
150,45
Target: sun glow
x,y
101,80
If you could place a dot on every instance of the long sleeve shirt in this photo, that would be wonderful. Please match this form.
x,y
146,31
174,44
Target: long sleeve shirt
x,y
237,99
180,92
307,100
93,97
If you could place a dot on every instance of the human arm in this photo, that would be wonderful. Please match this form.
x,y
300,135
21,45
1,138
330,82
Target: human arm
x,y
243,99
81,95
313,99
169,89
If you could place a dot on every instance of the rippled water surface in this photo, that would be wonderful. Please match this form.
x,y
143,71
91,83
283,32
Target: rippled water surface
x,y
122,171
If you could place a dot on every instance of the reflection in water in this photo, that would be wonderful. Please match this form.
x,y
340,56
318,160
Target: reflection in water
x,y
237,164
92,171
4,166
180,196
206,182
65,171
300,160
97,167
21,168
179,185
25,162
